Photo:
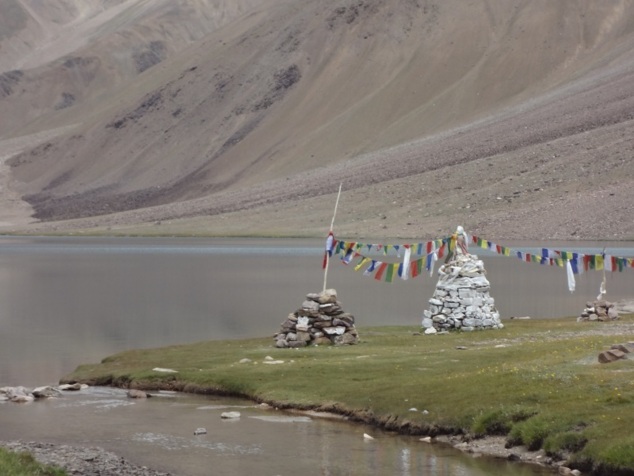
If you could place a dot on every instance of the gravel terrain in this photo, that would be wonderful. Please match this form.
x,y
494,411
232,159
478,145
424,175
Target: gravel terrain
x,y
80,460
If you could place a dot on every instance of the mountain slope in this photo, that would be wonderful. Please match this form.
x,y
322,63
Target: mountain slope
x,y
280,104
61,53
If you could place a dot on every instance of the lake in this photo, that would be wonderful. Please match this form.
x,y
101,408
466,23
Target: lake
x,y
73,300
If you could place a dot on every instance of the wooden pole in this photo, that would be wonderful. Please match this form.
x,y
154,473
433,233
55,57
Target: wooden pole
x,y
332,224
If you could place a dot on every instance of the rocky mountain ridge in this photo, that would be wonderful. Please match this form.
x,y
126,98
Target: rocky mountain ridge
x,y
216,117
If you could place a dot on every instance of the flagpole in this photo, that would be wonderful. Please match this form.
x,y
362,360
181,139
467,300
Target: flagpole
x,y
332,224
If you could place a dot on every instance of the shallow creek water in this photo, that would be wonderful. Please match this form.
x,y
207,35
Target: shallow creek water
x,y
68,301
159,433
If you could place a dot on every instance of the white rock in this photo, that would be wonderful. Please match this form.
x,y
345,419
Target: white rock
x,y
22,398
367,437
466,293
46,392
16,391
200,431
161,369
302,324
230,415
245,361
430,331
426,439
339,330
134,393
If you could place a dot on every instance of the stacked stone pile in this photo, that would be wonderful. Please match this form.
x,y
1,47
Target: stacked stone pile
x,y
600,310
320,321
461,300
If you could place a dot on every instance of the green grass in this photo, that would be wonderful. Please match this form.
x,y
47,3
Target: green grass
x,y
23,464
536,381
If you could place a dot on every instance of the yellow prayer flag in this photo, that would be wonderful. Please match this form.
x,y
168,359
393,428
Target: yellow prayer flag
x,y
598,262
361,264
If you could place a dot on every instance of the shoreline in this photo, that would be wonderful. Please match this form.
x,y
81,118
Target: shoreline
x,y
126,371
489,446
77,459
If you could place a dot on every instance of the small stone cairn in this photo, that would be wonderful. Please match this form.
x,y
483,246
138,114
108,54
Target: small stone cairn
x,y
461,300
320,321
599,310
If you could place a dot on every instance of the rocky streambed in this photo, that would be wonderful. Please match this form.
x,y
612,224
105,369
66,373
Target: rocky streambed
x,y
87,461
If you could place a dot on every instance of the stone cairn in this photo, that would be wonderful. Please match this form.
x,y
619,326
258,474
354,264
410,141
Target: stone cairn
x,y
320,321
600,310
461,300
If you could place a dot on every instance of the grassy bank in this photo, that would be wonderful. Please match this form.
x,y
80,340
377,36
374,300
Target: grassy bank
x,y
24,464
536,381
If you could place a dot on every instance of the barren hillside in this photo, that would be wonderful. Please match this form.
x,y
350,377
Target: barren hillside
x,y
514,119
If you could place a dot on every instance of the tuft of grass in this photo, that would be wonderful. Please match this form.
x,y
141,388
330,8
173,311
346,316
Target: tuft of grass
x,y
559,444
24,464
499,421
530,433
538,382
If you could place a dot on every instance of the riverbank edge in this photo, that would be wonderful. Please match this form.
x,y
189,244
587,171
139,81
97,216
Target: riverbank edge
x,y
492,446
489,445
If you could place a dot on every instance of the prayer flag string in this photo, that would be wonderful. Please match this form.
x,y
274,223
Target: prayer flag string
x,y
422,256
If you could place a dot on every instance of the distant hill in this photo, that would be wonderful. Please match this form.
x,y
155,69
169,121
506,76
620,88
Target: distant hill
x,y
510,118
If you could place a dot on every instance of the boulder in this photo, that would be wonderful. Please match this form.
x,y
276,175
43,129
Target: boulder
x,y
611,355
22,398
345,339
294,344
322,341
229,415
134,393
625,348
328,296
46,392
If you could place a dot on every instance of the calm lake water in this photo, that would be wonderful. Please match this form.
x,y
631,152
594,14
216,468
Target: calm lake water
x,y
68,301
